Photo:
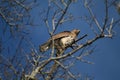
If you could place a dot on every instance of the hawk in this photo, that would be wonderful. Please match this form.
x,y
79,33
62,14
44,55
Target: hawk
x,y
61,41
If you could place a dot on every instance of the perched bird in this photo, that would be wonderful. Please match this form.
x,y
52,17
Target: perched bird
x,y
61,41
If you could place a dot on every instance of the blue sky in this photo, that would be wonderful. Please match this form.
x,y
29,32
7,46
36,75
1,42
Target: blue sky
x,y
107,52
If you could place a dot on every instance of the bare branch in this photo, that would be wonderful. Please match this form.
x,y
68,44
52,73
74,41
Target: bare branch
x,y
22,5
37,70
110,30
70,74
63,13
106,15
78,48
92,15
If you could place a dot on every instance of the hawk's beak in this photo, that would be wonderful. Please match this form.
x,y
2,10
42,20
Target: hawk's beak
x,y
77,32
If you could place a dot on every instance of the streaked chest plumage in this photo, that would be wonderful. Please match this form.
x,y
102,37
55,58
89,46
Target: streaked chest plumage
x,y
67,41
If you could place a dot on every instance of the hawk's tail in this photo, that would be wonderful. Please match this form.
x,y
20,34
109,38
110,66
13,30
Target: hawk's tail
x,y
44,47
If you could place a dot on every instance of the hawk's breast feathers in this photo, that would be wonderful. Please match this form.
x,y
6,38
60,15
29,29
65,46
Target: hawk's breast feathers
x,y
67,41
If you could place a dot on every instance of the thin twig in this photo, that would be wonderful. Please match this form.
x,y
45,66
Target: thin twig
x,y
71,75
64,12
22,5
92,15
81,38
106,16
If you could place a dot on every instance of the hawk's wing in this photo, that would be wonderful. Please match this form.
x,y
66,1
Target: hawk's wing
x,y
55,37
60,35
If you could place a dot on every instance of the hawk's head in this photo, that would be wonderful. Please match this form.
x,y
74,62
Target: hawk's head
x,y
76,31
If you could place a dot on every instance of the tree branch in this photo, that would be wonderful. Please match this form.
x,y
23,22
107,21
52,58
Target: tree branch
x,y
92,15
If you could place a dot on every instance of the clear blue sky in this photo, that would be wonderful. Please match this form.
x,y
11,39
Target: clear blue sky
x,y
107,52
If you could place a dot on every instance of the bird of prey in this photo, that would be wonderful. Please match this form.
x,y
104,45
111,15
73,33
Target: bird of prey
x,y
61,40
